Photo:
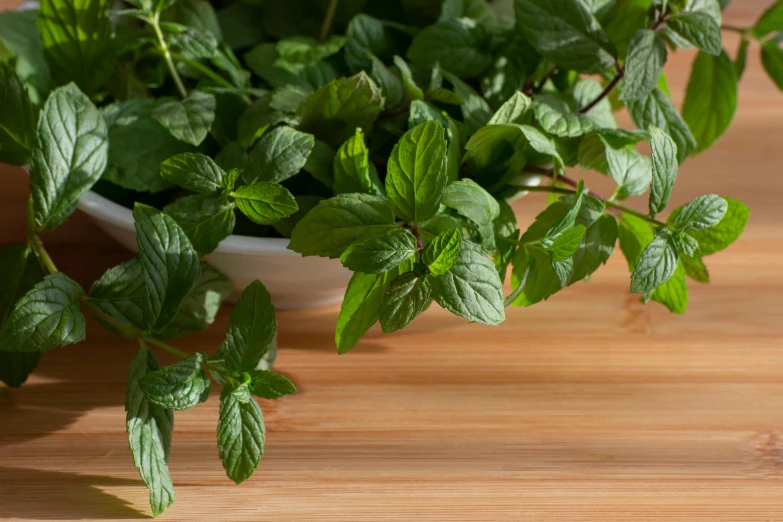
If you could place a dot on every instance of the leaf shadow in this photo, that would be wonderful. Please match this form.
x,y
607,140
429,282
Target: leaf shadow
x,y
56,495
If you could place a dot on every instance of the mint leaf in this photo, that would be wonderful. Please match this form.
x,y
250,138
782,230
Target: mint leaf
x,y
17,120
353,171
772,60
16,367
138,144
416,176
69,156
556,118
76,41
656,264
19,36
460,47
701,213
720,236
664,169
597,245
711,98
319,163
657,110
240,434
565,244
206,219
361,306
475,109
195,172
441,252
304,50
390,83
406,297
279,154
265,203
411,88
149,430
472,288
380,254
629,169
334,111
169,262
251,330
365,36
770,21
695,269
514,110
698,28
673,294
643,65
473,202
192,41
257,119
179,386
566,32
265,61
46,316
201,305
188,120
534,277
270,385
120,293
337,223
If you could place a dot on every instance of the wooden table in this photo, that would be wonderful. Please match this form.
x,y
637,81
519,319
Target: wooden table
x,y
587,407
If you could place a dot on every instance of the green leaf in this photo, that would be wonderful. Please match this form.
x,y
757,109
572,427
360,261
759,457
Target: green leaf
x,y
556,118
657,110
565,244
361,306
695,269
337,223
772,60
514,110
656,264
240,434
380,254
206,219
475,109
46,316
192,41
441,252
257,119
770,21
120,293
742,57
334,111
472,288
149,430
411,88
265,203
629,169
673,294
188,120
195,172
266,62
389,82
69,156
306,50
353,171
16,367
597,245
280,154
643,65
17,120
251,330
365,36
720,236
198,14
566,32
320,162
200,306
270,385
476,204
601,114
179,386
416,176
138,144
460,47
711,98
288,99
169,262
698,28
76,41
19,36
701,213
406,297
534,272
664,169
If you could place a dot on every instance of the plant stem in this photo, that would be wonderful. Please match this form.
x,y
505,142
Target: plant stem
x,y
326,27
734,28
203,69
131,331
155,23
37,244
617,77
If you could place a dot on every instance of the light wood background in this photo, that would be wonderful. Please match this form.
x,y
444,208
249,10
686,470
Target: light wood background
x,y
587,407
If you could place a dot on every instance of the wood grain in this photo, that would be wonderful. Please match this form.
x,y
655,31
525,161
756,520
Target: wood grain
x,y
587,407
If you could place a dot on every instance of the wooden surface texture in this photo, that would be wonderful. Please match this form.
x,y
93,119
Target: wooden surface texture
x,y
587,407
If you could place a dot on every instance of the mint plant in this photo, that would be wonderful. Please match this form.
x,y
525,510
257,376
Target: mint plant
x,y
389,135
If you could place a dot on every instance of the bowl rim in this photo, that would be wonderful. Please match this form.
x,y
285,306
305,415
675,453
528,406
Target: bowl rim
x,y
104,209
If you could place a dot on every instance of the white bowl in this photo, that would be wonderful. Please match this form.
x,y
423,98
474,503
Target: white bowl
x,y
292,280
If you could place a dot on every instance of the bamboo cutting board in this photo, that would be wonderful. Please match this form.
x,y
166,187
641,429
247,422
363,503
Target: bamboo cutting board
x,y
587,407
